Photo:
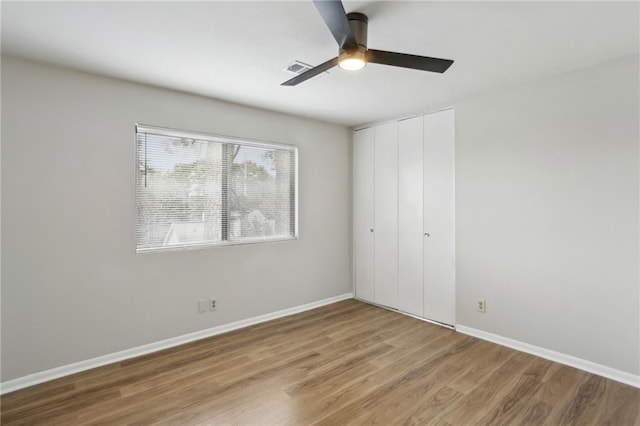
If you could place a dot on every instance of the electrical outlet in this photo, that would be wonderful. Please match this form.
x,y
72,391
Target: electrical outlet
x,y
203,305
213,304
481,306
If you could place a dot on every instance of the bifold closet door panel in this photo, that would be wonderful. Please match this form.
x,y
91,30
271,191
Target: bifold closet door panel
x,y
410,218
363,216
439,190
386,214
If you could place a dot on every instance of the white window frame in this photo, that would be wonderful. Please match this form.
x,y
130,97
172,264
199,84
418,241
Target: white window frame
x,y
164,131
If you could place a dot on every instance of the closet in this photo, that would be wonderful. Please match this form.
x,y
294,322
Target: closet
x,y
404,235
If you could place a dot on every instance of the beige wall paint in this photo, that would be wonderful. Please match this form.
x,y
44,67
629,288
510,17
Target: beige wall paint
x,y
547,213
73,287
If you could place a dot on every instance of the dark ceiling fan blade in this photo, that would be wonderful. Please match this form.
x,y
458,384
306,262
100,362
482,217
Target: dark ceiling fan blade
x,y
404,60
335,17
311,73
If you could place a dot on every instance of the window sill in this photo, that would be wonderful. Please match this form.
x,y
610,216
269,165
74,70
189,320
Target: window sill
x,y
245,241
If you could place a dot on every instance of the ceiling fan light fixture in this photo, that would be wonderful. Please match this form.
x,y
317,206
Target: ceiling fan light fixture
x,y
352,60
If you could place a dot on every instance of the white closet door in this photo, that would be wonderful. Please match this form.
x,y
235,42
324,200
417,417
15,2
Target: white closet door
x,y
363,219
439,245
410,218
386,214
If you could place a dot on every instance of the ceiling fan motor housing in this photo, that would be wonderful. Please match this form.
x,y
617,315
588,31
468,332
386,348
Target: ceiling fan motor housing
x,y
358,23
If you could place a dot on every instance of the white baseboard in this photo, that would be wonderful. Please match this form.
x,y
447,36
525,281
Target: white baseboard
x,y
76,367
582,364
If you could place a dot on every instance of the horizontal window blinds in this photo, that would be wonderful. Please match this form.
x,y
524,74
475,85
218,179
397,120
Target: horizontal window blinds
x,y
200,190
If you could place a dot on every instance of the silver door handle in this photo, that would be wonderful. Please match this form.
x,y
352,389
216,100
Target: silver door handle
x,y
426,234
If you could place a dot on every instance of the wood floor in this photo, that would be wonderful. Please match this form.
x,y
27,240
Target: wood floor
x,y
346,363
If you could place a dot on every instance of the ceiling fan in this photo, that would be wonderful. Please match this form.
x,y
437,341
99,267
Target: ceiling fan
x,y
350,31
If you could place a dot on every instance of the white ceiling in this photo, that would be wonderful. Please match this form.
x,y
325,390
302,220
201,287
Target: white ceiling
x,y
236,50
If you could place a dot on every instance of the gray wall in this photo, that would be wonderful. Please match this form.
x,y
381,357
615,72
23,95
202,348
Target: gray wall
x,y
547,218
73,287
547,213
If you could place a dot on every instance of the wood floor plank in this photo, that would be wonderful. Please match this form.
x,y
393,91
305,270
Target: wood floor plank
x,y
488,392
488,361
619,405
345,363
536,413
581,407
430,409
516,401
561,378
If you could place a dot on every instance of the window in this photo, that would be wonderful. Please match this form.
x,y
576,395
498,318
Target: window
x,y
195,190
